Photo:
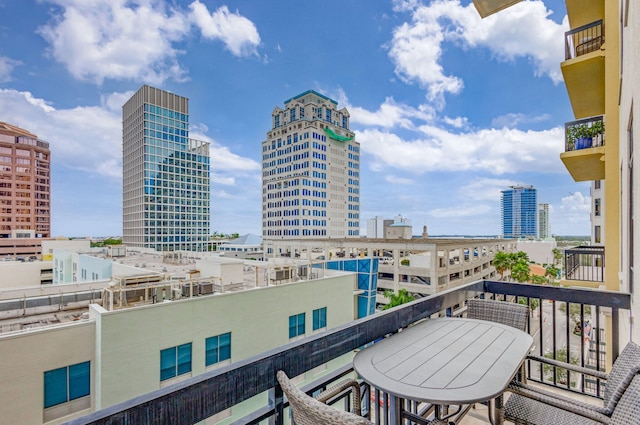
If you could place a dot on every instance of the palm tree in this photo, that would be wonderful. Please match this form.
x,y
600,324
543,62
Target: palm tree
x,y
402,297
500,262
557,255
520,271
551,271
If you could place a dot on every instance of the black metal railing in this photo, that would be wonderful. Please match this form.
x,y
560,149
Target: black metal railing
x,y
585,39
583,134
584,263
552,327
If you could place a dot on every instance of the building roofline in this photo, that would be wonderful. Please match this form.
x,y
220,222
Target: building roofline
x,y
311,92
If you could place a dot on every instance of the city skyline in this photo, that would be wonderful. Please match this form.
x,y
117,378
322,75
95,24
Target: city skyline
x,y
449,109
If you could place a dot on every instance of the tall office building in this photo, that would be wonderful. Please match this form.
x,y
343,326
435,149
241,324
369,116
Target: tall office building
x,y
24,184
166,189
519,212
310,171
544,230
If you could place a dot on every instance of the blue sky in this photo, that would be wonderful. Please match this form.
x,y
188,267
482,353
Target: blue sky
x,y
449,109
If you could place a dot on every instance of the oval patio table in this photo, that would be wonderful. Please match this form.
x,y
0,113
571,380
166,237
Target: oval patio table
x,y
446,361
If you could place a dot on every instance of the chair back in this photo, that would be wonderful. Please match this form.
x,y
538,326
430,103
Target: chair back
x,y
627,410
507,313
309,411
627,362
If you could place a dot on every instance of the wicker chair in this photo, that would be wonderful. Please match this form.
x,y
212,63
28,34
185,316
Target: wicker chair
x,y
312,411
533,405
510,314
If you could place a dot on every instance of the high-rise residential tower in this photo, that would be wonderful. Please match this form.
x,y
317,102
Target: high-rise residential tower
x,y
544,230
24,184
519,212
166,189
310,171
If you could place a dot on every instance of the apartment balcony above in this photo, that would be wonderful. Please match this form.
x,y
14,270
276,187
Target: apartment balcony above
x,y
580,12
583,69
584,266
584,149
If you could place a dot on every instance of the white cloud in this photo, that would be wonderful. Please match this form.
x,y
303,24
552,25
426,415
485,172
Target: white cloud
x,y
222,159
517,32
238,33
227,181
458,122
512,120
390,113
85,137
486,189
89,138
496,151
114,101
576,203
399,180
117,39
6,68
137,39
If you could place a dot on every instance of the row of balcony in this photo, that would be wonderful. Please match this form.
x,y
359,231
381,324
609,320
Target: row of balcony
x,y
555,323
584,73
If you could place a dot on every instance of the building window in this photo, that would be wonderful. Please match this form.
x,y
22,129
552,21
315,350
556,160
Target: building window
x,y
596,184
596,207
597,234
66,384
175,361
296,325
320,318
218,349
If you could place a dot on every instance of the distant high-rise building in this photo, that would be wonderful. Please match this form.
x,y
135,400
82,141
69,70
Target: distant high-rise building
x,y
24,184
543,221
519,212
166,189
310,171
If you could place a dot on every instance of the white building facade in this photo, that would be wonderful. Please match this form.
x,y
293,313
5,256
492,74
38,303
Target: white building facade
x,y
310,171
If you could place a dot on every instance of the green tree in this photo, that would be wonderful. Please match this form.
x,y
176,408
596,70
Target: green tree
x,y
395,300
534,303
538,280
500,263
551,272
520,271
561,373
557,256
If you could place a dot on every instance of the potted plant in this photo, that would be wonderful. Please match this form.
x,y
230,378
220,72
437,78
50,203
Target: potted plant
x,y
597,133
579,137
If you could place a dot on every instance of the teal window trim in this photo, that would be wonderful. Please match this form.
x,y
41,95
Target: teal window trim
x,y
67,383
175,361
320,318
296,325
218,349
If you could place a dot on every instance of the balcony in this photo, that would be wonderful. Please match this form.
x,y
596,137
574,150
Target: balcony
x,y
584,149
584,266
555,324
583,69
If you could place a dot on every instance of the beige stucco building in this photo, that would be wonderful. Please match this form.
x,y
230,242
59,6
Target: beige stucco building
x,y
65,360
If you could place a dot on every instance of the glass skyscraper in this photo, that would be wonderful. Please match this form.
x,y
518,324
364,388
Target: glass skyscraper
x,y
519,211
166,181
